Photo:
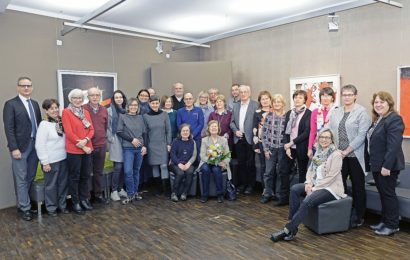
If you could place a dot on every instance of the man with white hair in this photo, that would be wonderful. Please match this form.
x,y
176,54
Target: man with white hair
x,y
213,93
241,125
178,97
99,118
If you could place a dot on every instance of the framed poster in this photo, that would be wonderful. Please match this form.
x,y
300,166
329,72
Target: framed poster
x,y
312,85
403,95
70,79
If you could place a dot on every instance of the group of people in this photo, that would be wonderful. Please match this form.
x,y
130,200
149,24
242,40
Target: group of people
x,y
152,136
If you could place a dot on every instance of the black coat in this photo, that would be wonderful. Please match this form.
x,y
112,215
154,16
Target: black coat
x,y
302,140
385,145
17,123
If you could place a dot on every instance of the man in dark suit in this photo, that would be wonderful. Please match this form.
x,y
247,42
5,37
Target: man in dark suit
x,y
21,117
241,125
178,97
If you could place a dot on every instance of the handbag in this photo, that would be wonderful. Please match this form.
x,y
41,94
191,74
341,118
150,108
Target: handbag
x,y
230,191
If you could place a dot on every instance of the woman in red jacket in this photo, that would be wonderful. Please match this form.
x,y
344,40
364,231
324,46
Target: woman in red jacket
x,y
79,131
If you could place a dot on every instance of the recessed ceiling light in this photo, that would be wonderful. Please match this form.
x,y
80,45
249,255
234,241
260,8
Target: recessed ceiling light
x,y
265,6
75,5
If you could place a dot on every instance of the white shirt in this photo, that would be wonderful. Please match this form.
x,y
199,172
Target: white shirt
x,y
242,115
50,146
25,103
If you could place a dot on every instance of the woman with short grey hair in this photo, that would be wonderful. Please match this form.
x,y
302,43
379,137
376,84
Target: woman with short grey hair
x,y
350,123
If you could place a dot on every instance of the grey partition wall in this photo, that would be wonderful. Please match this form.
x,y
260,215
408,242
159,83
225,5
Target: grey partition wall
x,y
195,76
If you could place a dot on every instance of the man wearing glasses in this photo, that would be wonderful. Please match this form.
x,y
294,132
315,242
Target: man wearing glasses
x,y
21,117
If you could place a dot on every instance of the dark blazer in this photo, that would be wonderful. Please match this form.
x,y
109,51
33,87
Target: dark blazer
x,y
177,104
385,145
302,140
248,124
17,123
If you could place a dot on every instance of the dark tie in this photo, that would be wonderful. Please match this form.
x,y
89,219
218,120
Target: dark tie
x,y
33,119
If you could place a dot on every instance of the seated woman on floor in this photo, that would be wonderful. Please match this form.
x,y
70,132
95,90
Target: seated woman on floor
x,y
323,183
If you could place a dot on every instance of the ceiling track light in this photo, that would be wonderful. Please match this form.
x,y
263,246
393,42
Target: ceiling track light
x,y
158,48
333,22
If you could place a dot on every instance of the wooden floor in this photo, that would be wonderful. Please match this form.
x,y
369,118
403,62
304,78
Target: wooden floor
x,y
156,228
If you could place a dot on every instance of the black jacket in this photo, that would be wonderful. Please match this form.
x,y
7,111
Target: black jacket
x,y
17,124
302,140
385,145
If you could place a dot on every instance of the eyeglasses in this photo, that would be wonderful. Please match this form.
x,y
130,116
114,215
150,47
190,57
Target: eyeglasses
x,y
348,95
25,86
142,95
95,95
325,137
76,97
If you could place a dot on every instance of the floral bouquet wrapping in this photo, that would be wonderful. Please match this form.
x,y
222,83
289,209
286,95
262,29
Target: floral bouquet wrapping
x,y
217,153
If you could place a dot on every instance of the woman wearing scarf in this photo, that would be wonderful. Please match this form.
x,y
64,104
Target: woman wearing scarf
x,y
143,98
117,108
323,183
385,159
159,139
297,131
320,116
50,148
78,131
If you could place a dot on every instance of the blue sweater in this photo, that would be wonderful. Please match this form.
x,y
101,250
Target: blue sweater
x,y
183,151
193,117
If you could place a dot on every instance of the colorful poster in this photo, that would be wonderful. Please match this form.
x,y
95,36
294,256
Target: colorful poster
x,y
69,80
403,97
312,85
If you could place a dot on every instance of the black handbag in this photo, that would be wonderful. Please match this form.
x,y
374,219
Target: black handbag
x,y
230,191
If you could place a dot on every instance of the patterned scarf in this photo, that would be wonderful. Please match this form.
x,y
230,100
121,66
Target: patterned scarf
x,y
59,124
293,118
79,112
320,157
322,122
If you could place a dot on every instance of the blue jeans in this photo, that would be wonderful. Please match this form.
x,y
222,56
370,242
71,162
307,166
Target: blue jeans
x,y
132,166
298,210
216,171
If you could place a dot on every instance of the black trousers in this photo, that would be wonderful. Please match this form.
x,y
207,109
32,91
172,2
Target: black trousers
x,y
351,168
246,163
97,165
386,185
79,166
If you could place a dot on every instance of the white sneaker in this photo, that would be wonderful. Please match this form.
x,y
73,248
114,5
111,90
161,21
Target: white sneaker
x,y
115,196
122,193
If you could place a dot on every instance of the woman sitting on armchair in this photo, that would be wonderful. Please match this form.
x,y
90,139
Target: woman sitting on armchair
x,y
215,157
323,183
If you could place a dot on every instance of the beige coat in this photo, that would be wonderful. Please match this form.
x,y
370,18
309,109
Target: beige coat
x,y
332,175
206,142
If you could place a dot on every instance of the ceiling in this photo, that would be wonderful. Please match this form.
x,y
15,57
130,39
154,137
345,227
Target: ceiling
x,y
198,21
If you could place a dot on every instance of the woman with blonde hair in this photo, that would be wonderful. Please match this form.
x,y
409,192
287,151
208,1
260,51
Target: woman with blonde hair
x,y
203,102
273,140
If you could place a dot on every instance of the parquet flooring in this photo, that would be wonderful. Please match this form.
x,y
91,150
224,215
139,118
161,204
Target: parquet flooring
x,y
156,228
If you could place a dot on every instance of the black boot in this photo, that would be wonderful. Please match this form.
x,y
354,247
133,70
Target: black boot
x,y
77,209
166,187
158,186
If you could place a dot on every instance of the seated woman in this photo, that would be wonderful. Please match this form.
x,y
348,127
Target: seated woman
x,y
323,183
207,168
183,155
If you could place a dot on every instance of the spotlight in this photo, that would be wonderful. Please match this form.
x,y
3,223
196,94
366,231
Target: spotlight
x,y
333,21
159,47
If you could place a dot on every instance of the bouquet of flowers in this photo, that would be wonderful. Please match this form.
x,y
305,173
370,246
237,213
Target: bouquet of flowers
x,y
217,153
